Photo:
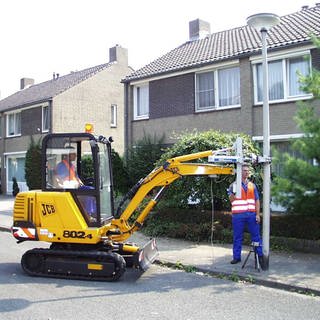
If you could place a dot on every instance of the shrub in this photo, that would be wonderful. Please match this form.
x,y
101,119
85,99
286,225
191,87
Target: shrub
x,y
198,190
196,225
33,165
120,175
141,158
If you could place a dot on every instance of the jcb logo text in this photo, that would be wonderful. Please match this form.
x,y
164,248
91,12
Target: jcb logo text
x,y
47,209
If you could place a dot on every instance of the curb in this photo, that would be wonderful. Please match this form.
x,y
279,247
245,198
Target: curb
x,y
248,279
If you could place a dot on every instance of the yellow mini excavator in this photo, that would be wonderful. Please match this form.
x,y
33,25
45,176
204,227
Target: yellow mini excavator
x,y
76,215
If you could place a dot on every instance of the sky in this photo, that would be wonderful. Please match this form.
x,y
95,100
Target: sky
x,y
40,37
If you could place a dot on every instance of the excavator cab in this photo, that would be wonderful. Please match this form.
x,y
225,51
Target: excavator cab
x,y
80,164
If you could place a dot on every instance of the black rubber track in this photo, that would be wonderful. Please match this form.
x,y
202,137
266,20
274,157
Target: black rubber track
x,y
33,263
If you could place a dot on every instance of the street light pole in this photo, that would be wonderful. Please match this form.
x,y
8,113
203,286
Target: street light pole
x,y
266,153
262,22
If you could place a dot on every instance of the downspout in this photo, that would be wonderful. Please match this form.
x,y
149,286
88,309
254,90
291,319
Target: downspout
x,y
50,116
2,135
126,119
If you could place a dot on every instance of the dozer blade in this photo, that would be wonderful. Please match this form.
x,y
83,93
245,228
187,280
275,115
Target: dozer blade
x,y
148,254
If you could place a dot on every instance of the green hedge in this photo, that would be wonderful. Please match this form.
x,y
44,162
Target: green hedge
x,y
196,225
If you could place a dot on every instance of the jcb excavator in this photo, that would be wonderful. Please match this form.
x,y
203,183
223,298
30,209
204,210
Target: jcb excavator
x,y
88,238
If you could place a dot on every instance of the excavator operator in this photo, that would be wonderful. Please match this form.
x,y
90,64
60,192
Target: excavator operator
x,y
66,173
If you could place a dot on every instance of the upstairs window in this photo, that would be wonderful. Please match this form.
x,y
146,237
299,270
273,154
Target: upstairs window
x,y
217,89
14,124
45,119
141,102
113,122
283,77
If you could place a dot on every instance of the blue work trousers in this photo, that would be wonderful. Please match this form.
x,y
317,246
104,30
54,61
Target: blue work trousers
x,y
239,221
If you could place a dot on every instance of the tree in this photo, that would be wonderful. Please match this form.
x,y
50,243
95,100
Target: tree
x,y
298,189
33,165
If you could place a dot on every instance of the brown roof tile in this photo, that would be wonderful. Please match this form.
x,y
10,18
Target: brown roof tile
x,y
293,28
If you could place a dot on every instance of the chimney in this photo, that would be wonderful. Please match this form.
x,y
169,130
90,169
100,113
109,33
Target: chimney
x,y
119,54
26,82
304,7
198,29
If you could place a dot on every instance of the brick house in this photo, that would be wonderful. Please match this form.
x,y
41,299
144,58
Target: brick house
x,y
62,104
214,81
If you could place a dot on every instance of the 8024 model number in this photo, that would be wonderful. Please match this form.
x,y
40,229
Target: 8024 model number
x,y
76,234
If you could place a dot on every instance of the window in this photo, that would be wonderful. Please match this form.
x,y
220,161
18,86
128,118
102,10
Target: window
x,y
229,87
45,119
283,77
14,124
15,164
296,66
218,88
0,129
286,147
113,123
205,90
141,102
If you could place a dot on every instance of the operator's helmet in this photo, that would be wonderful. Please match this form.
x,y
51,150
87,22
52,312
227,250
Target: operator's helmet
x,y
69,149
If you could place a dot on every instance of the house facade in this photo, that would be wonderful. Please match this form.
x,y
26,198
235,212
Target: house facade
x,y
62,104
214,81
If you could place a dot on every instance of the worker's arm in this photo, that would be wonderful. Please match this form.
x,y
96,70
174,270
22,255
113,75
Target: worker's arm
x,y
231,194
258,211
256,193
232,197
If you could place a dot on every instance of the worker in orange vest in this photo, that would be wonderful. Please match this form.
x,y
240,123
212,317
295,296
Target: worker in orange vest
x,y
245,211
66,172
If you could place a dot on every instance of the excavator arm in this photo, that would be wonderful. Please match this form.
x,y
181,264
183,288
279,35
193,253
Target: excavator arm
x,y
160,178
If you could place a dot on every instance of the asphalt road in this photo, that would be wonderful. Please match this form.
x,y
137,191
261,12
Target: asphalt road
x,y
159,293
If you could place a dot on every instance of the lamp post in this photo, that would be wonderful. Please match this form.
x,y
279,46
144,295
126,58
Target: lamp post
x,y
263,22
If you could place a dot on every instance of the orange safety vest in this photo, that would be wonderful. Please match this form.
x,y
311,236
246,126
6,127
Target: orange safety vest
x,y
72,173
247,202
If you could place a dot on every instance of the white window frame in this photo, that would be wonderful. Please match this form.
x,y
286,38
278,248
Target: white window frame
x,y
136,101
16,133
22,184
285,72
216,105
45,109
113,118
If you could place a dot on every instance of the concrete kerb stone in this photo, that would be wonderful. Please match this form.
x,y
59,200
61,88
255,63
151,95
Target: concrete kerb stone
x,y
236,277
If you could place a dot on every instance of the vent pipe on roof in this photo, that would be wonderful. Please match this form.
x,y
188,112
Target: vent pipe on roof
x,y
198,29
26,82
55,76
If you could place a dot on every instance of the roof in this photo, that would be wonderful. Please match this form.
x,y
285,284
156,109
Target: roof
x,y
293,29
45,91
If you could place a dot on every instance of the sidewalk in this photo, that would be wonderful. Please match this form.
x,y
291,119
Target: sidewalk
x,y
289,271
